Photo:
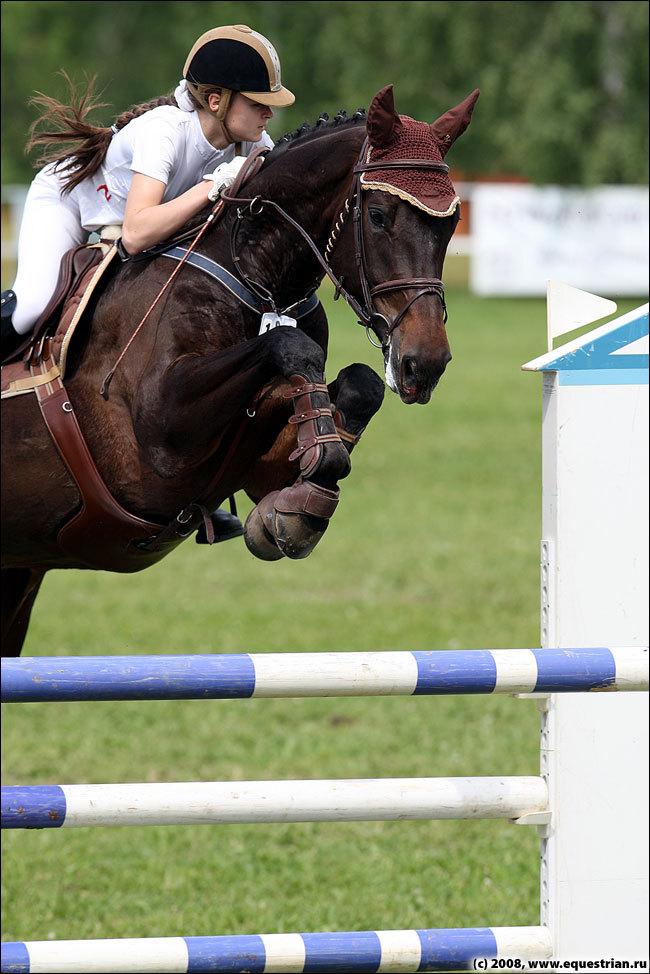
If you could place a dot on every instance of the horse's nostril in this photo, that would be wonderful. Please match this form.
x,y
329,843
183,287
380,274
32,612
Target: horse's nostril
x,y
410,369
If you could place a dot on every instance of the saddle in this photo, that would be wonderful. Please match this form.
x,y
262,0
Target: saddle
x,y
82,268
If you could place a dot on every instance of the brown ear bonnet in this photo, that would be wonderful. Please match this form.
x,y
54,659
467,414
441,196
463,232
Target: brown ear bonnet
x,y
394,137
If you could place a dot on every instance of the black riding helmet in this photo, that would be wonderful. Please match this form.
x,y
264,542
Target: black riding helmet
x,y
236,59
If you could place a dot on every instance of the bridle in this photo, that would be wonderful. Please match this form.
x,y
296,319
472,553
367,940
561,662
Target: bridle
x,y
423,285
367,313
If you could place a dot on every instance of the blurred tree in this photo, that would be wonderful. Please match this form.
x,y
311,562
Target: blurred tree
x,y
564,85
579,110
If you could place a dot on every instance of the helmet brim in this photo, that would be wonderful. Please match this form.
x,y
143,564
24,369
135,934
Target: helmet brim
x,y
276,99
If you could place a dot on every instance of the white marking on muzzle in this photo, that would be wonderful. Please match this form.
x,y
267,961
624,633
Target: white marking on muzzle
x,y
391,379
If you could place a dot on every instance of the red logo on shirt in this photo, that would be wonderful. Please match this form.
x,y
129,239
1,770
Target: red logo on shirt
x,y
105,188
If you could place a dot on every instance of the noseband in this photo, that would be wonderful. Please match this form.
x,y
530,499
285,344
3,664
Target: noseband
x,y
367,313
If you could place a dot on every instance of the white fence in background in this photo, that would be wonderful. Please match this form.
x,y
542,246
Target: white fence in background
x,y
523,236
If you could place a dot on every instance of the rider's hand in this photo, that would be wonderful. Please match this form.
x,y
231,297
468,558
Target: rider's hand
x,y
224,176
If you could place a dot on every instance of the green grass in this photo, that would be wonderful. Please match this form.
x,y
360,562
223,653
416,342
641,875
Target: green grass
x,y
435,545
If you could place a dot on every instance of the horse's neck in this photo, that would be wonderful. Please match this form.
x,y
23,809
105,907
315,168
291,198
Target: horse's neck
x,y
311,186
323,170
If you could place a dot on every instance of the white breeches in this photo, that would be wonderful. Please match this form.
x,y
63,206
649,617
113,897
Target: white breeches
x,y
51,225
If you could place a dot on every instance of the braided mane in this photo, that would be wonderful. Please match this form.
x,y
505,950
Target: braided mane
x,y
322,126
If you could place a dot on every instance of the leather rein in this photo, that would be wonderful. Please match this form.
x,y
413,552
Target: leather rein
x,y
367,313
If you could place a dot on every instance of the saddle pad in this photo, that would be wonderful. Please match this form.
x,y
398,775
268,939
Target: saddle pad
x,y
47,362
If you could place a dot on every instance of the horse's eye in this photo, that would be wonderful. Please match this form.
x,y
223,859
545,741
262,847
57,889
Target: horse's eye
x,y
377,218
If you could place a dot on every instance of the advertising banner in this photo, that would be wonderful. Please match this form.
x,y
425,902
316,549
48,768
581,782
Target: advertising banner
x,y
594,239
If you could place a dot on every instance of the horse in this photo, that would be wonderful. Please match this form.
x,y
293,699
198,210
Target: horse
x,y
188,382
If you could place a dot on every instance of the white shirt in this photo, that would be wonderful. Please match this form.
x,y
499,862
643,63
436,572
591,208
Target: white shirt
x,y
165,143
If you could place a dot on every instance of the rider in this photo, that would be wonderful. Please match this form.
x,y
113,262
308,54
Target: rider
x,y
156,167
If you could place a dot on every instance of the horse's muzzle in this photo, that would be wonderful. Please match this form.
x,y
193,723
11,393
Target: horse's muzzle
x,y
417,377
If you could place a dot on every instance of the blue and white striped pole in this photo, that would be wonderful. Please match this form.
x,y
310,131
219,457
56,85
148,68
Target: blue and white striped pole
x,y
317,953
323,674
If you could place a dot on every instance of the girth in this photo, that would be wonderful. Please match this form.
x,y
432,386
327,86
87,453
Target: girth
x,y
102,534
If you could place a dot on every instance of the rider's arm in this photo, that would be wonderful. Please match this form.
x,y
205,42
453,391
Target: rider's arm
x,y
148,221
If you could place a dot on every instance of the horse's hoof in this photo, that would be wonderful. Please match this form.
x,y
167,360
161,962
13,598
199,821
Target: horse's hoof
x,y
302,513
297,535
258,530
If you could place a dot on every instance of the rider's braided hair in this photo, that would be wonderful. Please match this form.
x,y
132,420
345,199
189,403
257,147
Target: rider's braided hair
x,y
66,126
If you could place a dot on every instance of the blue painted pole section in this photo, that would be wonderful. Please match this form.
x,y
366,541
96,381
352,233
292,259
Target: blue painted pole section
x,y
33,807
128,678
566,670
231,954
451,950
15,959
472,671
341,952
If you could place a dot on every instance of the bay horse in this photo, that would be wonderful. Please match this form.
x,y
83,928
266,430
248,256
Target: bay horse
x,y
220,387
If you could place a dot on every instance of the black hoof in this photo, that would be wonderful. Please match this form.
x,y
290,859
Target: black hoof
x,y
226,526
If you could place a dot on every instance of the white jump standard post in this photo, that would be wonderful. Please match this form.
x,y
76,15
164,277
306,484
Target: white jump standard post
x,y
594,563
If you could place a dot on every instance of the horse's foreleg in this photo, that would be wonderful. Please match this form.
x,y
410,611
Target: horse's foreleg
x,y
356,395
322,457
297,516
292,520
19,590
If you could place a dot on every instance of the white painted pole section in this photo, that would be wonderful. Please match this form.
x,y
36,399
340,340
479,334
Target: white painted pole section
x,y
285,953
631,668
515,671
525,943
351,800
401,950
334,674
128,956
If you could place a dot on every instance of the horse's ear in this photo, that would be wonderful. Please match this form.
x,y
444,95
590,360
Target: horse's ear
x,y
453,123
383,122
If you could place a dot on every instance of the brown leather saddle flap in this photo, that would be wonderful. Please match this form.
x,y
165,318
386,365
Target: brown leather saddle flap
x,y
82,270
78,267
